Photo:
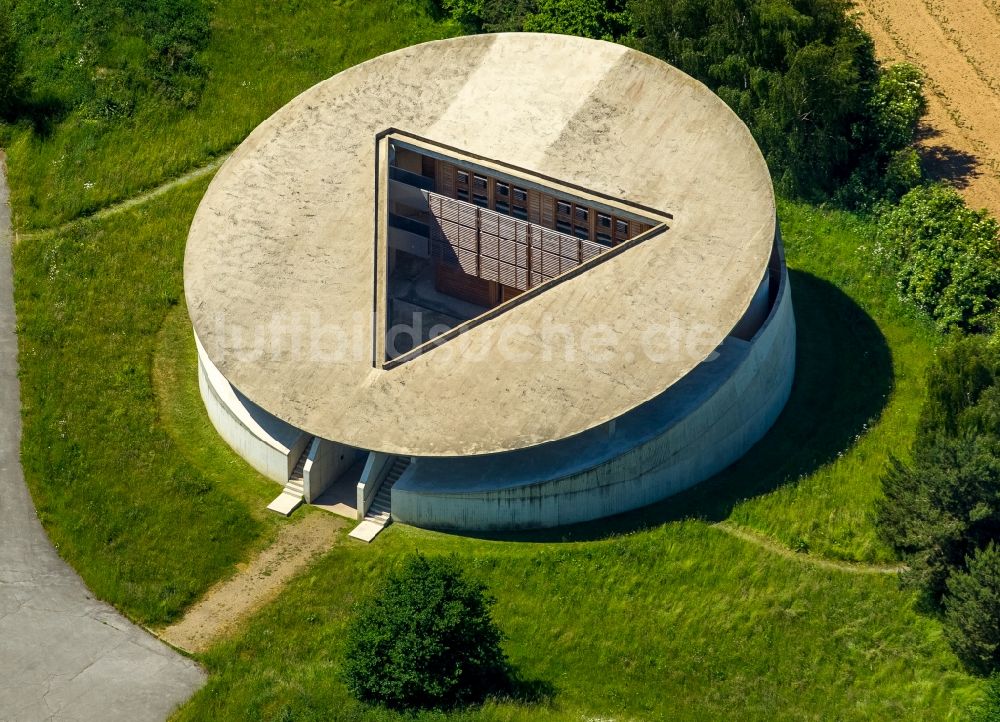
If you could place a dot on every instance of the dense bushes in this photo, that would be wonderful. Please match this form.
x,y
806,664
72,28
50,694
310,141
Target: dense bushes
x,y
426,640
897,103
942,509
989,709
946,257
607,19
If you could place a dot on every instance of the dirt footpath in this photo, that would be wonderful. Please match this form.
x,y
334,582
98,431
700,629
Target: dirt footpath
x,y
255,583
957,44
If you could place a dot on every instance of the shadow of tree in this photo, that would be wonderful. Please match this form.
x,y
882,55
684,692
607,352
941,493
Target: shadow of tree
x,y
41,112
943,162
842,382
530,691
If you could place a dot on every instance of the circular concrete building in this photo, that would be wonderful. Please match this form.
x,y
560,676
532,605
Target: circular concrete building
x,y
493,282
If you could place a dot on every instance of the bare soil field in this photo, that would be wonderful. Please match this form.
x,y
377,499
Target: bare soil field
x,y
957,44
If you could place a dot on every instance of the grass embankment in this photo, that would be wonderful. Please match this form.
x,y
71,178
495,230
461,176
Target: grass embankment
x,y
146,529
260,55
859,388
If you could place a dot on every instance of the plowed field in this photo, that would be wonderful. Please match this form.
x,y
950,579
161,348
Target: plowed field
x,y
957,44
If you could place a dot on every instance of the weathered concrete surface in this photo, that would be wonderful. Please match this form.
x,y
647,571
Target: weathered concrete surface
x,y
695,429
63,654
280,258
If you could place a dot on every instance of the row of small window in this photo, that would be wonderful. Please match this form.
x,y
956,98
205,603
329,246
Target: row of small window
x,y
507,199
571,219
575,219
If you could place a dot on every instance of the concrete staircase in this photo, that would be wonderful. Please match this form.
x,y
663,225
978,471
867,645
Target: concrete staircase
x,y
293,494
379,514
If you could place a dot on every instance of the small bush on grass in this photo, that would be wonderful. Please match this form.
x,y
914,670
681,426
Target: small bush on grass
x,y
897,105
427,640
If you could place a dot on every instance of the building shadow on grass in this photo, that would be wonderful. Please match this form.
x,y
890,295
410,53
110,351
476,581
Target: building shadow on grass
x,y
843,378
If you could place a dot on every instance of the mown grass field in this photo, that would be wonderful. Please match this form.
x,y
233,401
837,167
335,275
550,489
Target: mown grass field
x,y
653,615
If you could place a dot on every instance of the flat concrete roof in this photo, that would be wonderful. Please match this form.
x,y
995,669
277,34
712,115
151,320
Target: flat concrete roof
x,y
280,263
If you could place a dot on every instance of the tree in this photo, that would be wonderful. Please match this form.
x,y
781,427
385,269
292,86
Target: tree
x,y
972,611
426,640
946,257
944,505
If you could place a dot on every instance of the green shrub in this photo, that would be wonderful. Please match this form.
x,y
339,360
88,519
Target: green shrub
x,y
902,174
946,257
587,18
426,640
963,372
897,105
972,611
605,19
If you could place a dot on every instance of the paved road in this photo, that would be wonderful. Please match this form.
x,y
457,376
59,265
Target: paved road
x,y
63,655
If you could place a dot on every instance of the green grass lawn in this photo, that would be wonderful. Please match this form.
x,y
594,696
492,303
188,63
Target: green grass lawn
x,y
261,55
146,529
859,388
680,623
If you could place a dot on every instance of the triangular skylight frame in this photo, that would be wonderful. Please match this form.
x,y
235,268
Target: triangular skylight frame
x,y
659,220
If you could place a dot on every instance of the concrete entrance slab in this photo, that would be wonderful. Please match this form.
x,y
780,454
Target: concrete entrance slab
x,y
285,503
63,654
367,530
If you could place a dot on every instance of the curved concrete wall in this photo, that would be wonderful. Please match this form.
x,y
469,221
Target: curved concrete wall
x,y
266,442
692,431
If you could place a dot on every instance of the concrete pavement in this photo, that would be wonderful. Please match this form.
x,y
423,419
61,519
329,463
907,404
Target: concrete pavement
x,y
63,654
